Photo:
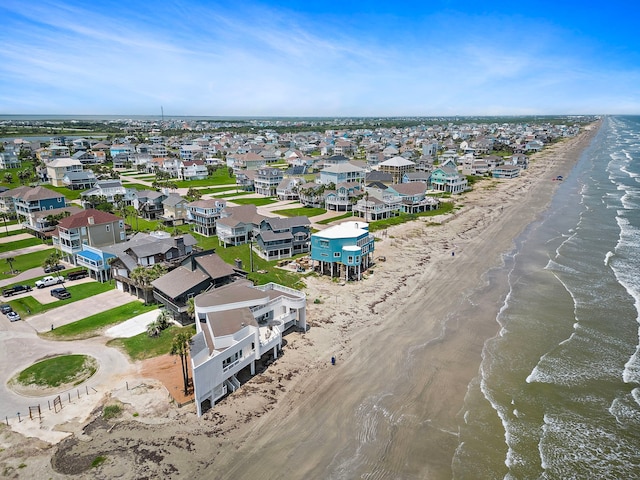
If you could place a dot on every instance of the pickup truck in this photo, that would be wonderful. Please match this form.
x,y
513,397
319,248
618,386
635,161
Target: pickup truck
x,y
15,290
77,275
48,281
61,293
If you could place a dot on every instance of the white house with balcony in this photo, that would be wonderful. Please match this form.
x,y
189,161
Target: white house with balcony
x,y
236,326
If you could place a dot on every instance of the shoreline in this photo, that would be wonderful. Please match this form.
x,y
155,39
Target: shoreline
x,y
408,341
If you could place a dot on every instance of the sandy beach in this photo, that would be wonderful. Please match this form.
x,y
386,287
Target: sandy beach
x,y
408,341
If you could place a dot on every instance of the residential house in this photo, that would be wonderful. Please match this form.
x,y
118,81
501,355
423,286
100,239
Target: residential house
x,y
287,189
88,227
204,213
148,203
57,169
238,225
266,181
341,173
245,180
112,190
447,179
147,250
412,197
238,325
344,250
79,180
6,199
283,237
28,202
9,159
397,167
175,210
372,208
192,170
343,197
197,273
506,171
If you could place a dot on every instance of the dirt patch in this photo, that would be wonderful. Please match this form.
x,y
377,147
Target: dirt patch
x,y
168,370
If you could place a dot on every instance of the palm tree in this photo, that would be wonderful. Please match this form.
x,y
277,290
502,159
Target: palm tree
x,y
8,178
180,346
191,307
5,217
10,261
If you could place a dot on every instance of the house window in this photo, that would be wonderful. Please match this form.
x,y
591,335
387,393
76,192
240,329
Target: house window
x,y
350,259
121,223
123,236
108,228
324,243
336,254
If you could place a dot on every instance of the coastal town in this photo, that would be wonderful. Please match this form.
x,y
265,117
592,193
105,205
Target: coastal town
x,y
180,253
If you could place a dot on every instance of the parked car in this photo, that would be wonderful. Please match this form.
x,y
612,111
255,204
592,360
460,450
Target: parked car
x,y
13,316
60,293
54,268
77,275
15,290
49,281
5,308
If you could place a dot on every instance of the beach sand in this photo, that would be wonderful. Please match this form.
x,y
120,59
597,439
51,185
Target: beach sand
x,y
408,340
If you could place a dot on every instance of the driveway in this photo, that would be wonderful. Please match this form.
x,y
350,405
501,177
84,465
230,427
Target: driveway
x,y
75,311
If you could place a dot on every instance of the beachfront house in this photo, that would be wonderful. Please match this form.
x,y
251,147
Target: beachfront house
x,y
344,250
447,179
238,325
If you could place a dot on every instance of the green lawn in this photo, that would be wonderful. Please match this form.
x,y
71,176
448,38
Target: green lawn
x,y
93,325
18,244
143,346
255,201
67,192
229,195
57,371
335,219
22,263
445,207
219,189
28,305
219,177
306,211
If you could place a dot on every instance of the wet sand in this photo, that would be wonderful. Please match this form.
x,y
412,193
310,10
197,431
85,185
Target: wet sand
x,y
408,340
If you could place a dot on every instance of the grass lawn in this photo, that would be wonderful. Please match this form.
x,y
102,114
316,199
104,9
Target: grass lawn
x,y
255,201
28,305
136,186
273,274
337,218
219,177
22,263
67,192
57,371
219,189
17,245
306,211
445,207
93,325
228,195
143,346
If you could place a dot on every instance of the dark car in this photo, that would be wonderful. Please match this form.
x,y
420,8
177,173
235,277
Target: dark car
x,y
54,268
60,293
5,308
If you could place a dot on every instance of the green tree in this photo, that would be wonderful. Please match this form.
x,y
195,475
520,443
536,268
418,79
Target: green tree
x,y
193,194
159,324
180,346
10,261
8,178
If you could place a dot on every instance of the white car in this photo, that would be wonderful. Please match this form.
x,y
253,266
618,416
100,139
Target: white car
x,y
13,316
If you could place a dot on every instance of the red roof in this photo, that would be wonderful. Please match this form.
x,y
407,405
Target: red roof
x,y
82,219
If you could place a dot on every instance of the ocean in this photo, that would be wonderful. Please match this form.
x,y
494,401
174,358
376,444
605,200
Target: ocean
x,y
558,391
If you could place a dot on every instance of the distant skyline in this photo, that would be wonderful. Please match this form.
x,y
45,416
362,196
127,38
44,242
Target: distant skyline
x,y
312,58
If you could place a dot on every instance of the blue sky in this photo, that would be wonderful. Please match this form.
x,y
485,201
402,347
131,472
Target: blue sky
x,y
311,58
